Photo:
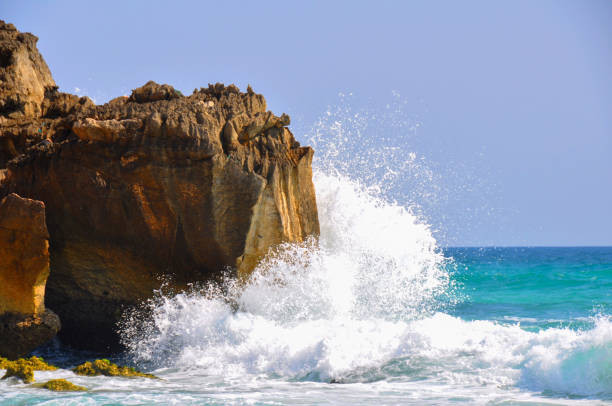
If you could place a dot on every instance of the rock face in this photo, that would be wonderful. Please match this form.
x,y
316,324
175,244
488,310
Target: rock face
x,y
24,75
28,96
155,187
24,255
24,267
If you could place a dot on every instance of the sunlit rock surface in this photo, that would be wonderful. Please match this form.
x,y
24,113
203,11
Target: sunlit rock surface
x,y
24,267
155,187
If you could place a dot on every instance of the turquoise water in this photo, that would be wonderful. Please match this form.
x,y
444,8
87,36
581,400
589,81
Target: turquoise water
x,y
374,312
559,287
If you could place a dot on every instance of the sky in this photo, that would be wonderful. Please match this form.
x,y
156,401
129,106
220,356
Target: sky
x,y
494,117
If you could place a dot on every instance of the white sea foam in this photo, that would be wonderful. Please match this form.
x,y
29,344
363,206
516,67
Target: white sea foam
x,y
362,304
374,268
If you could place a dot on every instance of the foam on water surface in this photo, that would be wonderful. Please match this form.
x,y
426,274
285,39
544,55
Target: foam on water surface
x,y
363,305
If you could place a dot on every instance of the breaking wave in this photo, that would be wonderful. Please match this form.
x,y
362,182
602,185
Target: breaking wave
x,y
365,302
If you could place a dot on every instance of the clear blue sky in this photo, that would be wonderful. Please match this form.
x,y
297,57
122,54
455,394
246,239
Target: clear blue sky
x,y
513,98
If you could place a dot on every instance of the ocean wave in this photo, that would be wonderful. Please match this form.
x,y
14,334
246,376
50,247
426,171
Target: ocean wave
x,y
365,302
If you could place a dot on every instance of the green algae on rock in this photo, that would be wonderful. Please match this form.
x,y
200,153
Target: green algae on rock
x,y
37,363
20,369
4,363
24,368
62,385
107,368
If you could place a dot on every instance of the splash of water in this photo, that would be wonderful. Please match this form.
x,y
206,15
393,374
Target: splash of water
x,y
363,303
374,266
372,145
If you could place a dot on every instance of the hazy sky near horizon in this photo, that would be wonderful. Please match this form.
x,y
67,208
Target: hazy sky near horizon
x,y
506,105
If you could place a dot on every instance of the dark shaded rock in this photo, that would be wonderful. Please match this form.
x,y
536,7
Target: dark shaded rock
x,y
20,334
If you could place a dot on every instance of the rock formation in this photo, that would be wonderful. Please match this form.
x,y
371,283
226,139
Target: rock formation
x,y
62,385
24,75
23,368
152,187
24,267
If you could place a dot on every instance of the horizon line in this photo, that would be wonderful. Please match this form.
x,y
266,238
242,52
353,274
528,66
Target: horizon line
x,y
525,246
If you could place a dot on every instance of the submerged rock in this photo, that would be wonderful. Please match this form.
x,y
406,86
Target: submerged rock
x,y
37,363
21,370
107,368
62,385
153,187
24,267
24,368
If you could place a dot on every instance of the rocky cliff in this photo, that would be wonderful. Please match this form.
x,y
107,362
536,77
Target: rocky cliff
x,y
152,187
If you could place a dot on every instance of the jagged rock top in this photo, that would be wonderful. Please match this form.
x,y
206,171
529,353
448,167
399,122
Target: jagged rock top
x,y
151,92
215,120
36,118
24,75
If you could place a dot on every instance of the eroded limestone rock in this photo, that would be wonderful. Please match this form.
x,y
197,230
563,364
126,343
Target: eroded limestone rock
x,y
152,91
24,255
24,75
155,187
24,267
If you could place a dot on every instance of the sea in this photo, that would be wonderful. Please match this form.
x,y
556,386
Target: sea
x,y
373,312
